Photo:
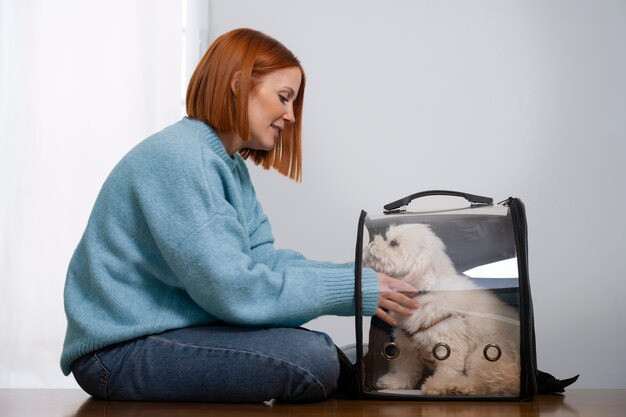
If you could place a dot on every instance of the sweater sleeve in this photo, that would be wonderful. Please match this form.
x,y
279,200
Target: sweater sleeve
x,y
238,290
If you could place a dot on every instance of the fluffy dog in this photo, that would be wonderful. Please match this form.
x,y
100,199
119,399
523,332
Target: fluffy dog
x,y
455,317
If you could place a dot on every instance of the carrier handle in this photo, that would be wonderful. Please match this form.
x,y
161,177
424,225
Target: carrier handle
x,y
475,200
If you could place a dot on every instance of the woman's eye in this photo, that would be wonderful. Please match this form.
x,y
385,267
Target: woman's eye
x,y
393,243
283,99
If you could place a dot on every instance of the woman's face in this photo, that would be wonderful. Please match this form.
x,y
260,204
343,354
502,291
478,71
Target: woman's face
x,y
270,107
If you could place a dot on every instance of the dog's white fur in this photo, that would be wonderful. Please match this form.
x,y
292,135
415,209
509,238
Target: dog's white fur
x,y
453,311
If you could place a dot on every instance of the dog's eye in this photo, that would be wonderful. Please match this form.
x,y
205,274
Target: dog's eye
x,y
393,243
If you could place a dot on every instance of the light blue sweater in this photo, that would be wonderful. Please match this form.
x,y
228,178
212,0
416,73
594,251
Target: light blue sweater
x,y
177,238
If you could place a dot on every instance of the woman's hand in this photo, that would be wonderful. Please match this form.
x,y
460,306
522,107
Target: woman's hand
x,y
391,299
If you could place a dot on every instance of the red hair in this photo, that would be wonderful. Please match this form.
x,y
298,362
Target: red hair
x,y
211,99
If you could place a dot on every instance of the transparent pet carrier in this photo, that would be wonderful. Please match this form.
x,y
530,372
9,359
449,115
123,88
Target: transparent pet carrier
x,y
472,336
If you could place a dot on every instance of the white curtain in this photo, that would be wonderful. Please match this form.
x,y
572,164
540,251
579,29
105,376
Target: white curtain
x,y
80,83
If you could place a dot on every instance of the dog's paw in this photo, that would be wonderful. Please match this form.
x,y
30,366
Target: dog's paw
x,y
391,381
459,389
432,387
438,386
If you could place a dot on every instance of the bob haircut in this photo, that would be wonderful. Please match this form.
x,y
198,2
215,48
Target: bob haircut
x,y
211,99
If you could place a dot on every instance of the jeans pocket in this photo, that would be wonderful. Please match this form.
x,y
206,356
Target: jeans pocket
x,y
91,375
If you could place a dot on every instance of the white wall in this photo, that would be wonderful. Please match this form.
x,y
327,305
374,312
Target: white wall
x,y
521,98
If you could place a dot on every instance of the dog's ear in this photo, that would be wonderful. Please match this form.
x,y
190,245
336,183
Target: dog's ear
x,y
424,256
430,260
440,263
419,256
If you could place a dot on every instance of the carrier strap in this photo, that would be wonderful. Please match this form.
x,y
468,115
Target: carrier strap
x,y
547,384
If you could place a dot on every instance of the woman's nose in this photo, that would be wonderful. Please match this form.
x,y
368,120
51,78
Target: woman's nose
x,y
289,116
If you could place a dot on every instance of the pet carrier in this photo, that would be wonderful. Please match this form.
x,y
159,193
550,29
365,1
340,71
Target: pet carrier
x,y
472,336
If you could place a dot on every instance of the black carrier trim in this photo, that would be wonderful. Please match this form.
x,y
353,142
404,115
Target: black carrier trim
x,y
358,302
528,356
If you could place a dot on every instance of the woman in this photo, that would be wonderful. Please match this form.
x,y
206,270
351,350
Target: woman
x,y
175,291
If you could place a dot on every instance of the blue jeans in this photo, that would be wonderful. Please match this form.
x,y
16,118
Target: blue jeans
x,y
214,364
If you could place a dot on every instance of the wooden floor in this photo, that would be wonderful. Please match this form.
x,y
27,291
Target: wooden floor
x,y
67,403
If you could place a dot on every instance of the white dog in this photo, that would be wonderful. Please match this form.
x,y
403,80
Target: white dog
x,y
462,340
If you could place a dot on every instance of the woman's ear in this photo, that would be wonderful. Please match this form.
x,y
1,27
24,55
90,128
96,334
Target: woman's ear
x,y
234,83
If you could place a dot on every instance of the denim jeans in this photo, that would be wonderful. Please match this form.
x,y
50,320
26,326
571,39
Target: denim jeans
x,y
214,364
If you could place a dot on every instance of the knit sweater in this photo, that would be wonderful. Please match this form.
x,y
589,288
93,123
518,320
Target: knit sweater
x,y
177,238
